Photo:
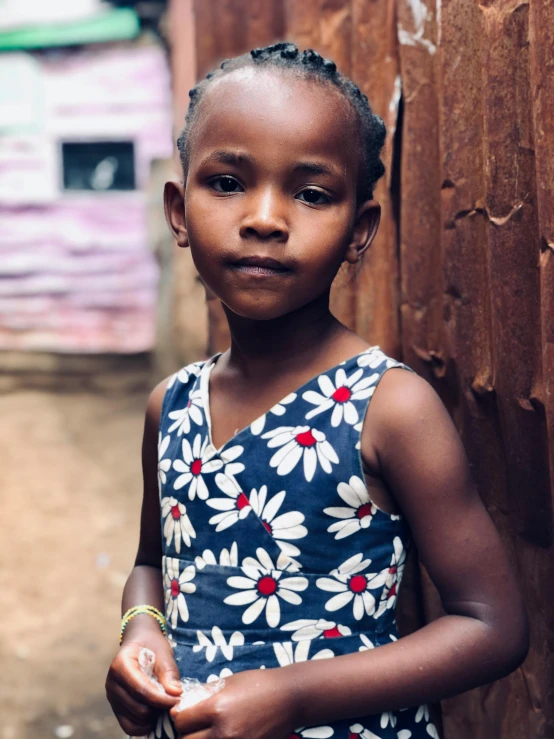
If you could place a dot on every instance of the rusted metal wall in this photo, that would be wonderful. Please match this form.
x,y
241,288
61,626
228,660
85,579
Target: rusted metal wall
x,y
460,280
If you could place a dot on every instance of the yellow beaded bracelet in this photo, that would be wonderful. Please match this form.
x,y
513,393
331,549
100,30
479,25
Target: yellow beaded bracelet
x,y
136,611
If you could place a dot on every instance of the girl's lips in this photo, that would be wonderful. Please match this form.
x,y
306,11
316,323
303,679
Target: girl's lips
x,y
254,269
262,266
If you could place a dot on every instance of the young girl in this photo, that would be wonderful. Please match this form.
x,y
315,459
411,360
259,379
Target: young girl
x,y
290,471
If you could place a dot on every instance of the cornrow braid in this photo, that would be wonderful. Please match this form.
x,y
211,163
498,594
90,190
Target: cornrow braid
x,y
310,65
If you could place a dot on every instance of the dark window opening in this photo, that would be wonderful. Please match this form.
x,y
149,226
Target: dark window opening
x,y
99,165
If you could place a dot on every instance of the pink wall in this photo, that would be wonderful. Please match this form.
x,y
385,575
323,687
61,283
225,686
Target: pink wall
x,y
77,273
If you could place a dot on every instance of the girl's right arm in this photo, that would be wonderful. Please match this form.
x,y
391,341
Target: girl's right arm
x,y
134,699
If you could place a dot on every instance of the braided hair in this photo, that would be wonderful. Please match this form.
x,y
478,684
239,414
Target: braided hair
x,y
309,65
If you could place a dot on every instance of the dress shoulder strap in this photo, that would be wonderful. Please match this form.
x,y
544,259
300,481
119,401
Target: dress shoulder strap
x,y
179,405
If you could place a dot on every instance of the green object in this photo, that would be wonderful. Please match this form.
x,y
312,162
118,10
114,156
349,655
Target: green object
x,y
114,25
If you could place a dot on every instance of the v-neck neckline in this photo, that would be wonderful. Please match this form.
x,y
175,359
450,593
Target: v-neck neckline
x,y
204,389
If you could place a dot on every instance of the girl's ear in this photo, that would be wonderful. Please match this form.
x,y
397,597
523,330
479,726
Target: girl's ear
x,y
174,206
366,224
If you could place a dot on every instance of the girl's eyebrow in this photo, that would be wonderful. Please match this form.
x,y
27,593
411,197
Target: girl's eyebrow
x,y
228,157
315,168
223,156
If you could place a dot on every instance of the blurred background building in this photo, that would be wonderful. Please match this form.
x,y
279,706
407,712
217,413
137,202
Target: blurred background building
x,y
82,120
96,304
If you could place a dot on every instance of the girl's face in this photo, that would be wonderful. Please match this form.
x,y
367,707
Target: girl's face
x,y
270,206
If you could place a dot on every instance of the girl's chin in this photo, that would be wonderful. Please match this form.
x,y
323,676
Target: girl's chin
x,y
259,311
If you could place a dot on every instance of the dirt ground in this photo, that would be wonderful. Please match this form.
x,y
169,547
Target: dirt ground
x,y
71,485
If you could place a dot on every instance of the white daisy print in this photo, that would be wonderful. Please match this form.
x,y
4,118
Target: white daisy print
x,y
340,394
164,465
278,410
358,427
288,654
393,576
171,640
225,480
192,370
195,463
422,714
313,732
388,718
358,730
300,442
233,508
404,734
191,412
373,357
311,628
163,724
366,643
225,672
261,586
177,525
227,557
218,642
358,513
282,528
432,731
176,586
351,585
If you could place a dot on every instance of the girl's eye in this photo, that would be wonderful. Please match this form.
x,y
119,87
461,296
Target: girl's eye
x,y
226,184
313,197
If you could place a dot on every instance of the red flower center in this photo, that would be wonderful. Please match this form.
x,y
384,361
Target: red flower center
x,y
294,736
267,585
267,527
175,589
332,633
364,510
175,512
342,394
306,438
357,584
351,735
392,570
242,502
392,591
189,404
196,467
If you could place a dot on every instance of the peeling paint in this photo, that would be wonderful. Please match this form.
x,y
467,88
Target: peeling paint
x,y
414,39
503,220
420,15
396,94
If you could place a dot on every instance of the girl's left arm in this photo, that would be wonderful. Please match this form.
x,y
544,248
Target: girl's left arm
x,y
482,637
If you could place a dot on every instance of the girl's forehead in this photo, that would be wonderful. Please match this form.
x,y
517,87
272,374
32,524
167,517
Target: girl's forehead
x,y
264,109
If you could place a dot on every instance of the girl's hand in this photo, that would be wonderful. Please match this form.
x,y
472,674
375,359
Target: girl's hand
x,y
134,699
257,704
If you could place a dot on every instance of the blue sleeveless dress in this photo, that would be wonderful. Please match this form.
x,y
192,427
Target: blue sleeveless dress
x,y
273,551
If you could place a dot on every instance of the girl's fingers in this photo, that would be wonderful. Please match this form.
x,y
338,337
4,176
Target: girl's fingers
x,y
139,687
128,705
131,724
133,729
206,734
165,669
195,719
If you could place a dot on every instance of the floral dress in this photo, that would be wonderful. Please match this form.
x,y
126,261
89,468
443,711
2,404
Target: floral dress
x,y
273,551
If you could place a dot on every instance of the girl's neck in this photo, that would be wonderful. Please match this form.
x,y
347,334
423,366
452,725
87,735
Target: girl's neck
x,y
276,346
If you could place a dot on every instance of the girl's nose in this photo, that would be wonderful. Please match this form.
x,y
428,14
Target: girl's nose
x,y
265,218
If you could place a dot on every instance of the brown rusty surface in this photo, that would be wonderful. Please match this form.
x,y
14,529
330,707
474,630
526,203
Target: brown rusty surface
x,y
474,298
460,279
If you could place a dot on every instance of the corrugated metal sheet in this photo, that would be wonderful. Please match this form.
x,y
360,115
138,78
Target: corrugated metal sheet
x,y
460,280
